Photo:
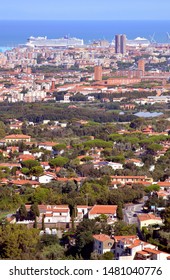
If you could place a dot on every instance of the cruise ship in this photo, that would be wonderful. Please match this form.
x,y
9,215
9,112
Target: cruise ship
x,y
139,41
60,42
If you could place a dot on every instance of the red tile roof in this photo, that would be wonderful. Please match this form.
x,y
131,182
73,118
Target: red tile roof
x,y
101,237
145,217
26,157
24,182
125,238
17,136
103,209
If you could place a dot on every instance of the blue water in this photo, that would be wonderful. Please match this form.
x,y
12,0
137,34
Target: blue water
x,y
13,33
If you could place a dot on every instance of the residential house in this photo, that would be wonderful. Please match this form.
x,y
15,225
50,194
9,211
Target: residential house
x,y
10,165
108,210
126,247
24,157
45,165
46,178
145,220
12,149
113,165
82,211
103,243
136,162
131,179
53,214
17,138
151,254
20,183
47,145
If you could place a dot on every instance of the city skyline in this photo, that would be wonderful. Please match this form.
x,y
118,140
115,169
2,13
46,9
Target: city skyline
x,y
85,10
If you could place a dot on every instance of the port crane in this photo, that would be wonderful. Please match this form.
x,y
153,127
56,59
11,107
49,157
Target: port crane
x,y
152,38
168,35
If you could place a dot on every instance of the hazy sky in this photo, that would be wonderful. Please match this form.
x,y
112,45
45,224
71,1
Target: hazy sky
x,y
85,9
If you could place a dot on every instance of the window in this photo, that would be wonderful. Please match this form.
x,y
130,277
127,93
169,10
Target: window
x,y
109,244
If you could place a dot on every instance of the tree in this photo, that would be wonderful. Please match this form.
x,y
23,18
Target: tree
x,y
35,225
17,242
167,218
121,228
37,171
152,188
53,252
2,129
59,147
153,148
34,211
41,195
25,171
84,244
22,212
14,170
47,240
30,163
119,212
58,161
108,256
138,123
43,225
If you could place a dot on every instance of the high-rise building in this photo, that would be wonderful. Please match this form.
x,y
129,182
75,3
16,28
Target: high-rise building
x,y
120,43
123,44
141,65
98,73
117,43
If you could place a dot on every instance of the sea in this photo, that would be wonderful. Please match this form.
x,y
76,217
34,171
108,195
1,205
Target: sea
x,y
16,32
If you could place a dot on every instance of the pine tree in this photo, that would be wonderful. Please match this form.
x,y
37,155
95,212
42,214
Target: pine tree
x,y
35,223
34,211
22,212
43,225
119,212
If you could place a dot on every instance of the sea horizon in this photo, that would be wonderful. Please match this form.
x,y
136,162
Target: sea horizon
x,y
15,32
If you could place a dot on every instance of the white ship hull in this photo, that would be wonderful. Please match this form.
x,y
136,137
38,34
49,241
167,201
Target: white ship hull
x,y
61,42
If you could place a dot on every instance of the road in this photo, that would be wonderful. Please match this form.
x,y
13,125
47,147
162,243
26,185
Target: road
x,y
130,213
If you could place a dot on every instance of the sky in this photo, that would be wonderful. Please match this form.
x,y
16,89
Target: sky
x,y
85,9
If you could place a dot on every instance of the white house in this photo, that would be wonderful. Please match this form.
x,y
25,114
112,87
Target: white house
x,y
57,214
82,210
45,165
136,162
47,145
53,213
126,247
152,254
46,178
115,165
